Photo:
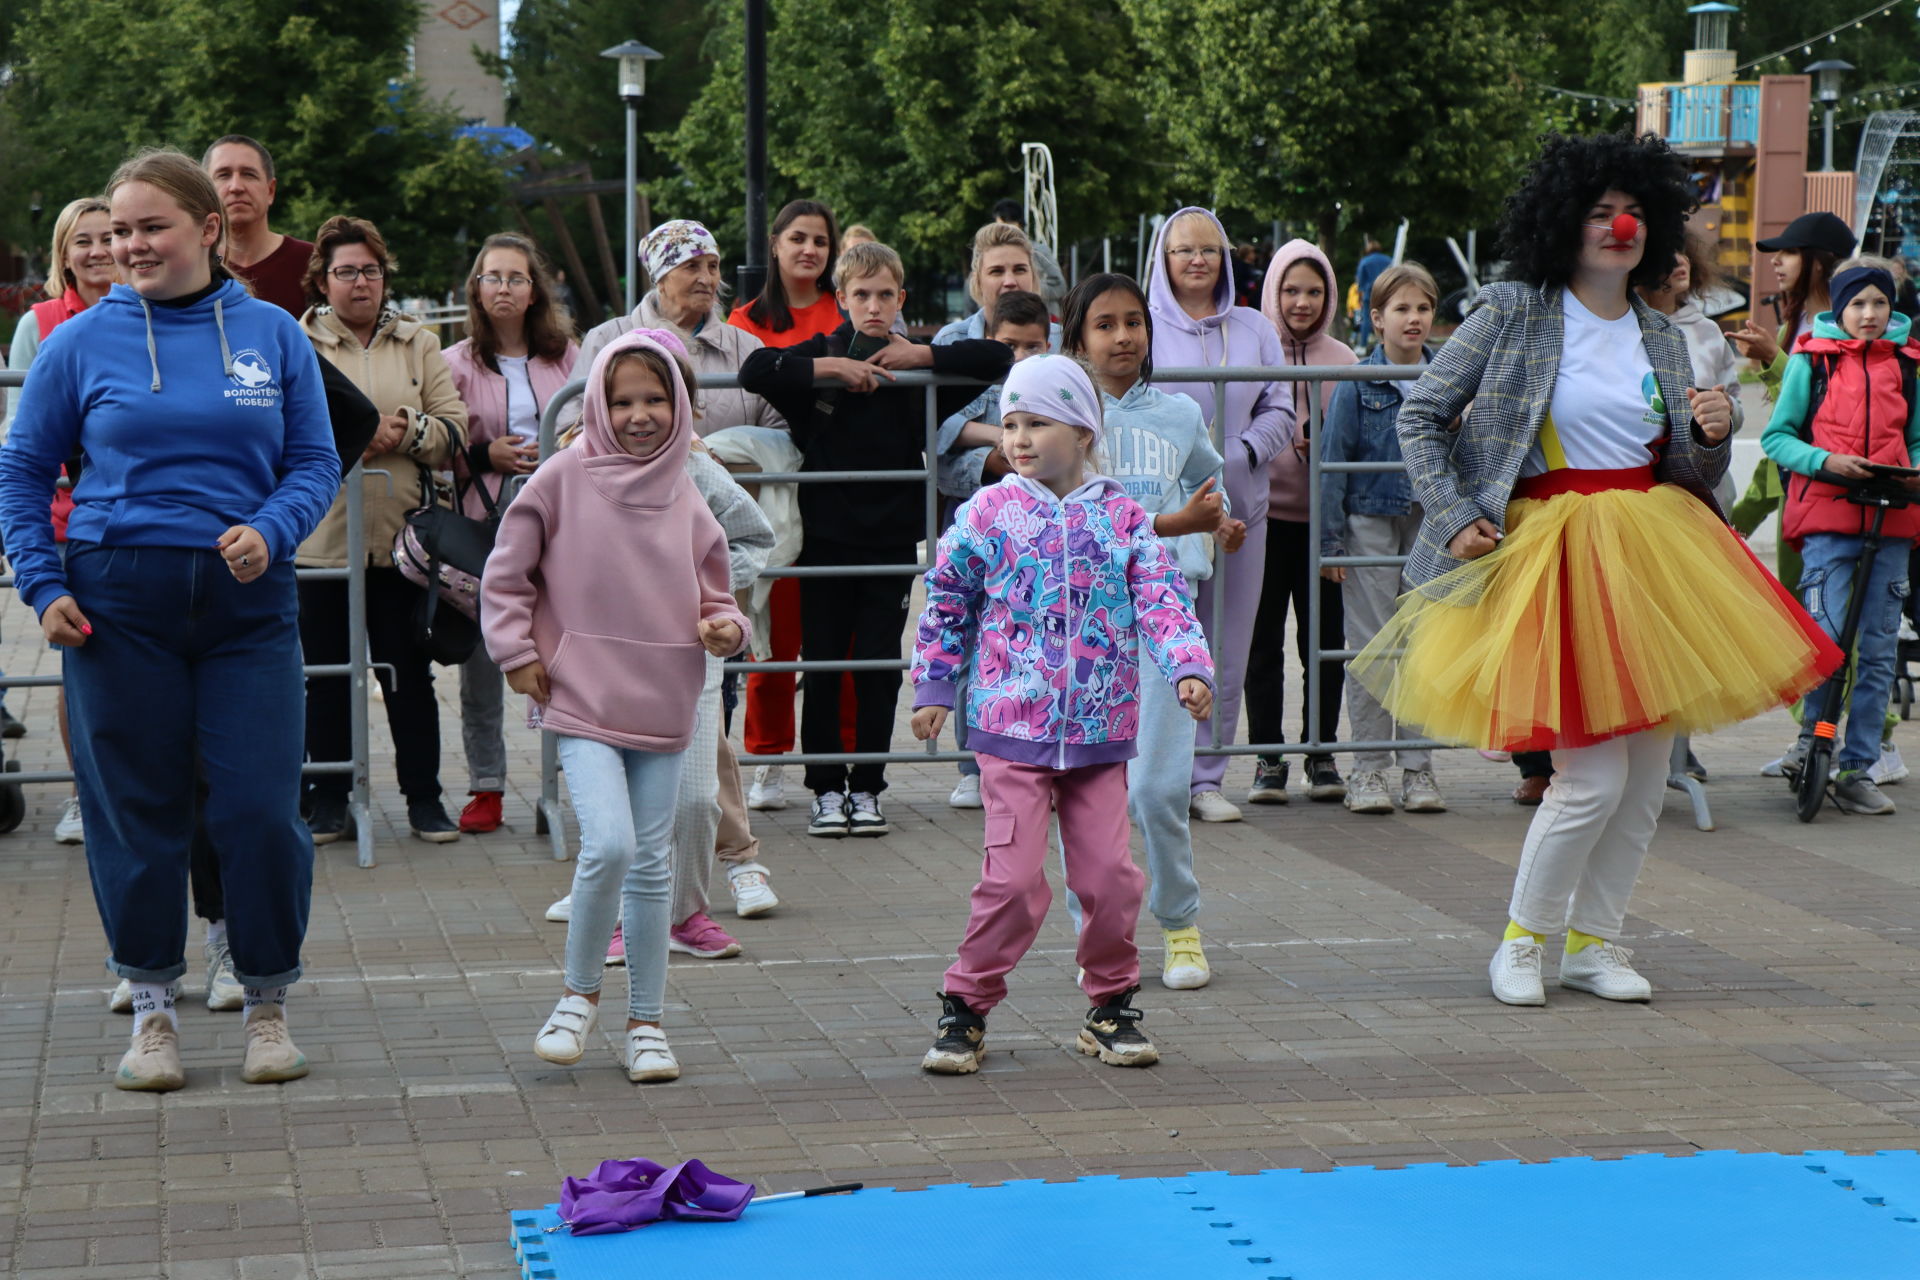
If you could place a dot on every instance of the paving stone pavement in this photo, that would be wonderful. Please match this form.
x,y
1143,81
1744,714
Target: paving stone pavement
x,y
1348,1023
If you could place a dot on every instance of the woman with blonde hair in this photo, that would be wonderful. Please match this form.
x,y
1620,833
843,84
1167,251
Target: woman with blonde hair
x,y
1003,262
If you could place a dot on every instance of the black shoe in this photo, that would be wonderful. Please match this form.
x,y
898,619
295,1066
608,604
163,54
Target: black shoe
x,y
829,816
429,821
961,1040
1695,770
1112,1034
1323,780
1269,783
327,817
11,728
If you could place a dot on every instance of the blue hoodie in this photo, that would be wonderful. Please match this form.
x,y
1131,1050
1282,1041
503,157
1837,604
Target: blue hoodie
x,y
193,420
1155,446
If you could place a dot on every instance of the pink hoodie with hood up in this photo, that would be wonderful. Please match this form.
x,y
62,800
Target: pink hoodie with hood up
x,y
1289,470
604,565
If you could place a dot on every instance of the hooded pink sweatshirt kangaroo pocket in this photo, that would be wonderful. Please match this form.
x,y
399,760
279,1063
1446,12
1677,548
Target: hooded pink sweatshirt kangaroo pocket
x,y
594,681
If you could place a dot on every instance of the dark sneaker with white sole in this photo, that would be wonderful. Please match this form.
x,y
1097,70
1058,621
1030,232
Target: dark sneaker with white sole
x,y
829,817
863,815
429,821
327,818
960,1039
1112,1034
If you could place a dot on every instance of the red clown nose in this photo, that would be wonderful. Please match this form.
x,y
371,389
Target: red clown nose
x,y
1625,228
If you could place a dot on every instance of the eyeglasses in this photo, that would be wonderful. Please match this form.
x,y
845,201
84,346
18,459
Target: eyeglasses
x,y
492,281
347,275
1209,252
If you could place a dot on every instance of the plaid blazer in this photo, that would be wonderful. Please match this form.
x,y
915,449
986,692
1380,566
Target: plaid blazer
x,y
1502,360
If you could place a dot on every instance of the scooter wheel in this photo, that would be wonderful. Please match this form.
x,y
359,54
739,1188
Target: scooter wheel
x,y
1810,789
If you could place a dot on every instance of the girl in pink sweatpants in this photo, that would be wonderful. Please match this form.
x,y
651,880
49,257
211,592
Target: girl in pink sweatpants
x,y
1045,589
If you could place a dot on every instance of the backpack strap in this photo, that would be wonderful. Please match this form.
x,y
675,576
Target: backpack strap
x,y
1820,366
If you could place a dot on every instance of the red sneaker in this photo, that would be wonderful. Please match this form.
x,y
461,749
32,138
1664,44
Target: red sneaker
x,y
482,812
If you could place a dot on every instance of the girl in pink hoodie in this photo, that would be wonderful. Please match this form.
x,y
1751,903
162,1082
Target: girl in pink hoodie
x,y
606,590
1298,298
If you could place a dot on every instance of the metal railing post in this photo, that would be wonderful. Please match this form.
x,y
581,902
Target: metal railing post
x,y
360,793
1315,517
548,820
1218,580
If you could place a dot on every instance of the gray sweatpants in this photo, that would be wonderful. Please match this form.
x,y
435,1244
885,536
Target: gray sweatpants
x,y
483,695
1367,598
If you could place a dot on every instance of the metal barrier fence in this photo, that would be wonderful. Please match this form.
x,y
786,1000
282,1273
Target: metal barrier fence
x,y
355,668
548,817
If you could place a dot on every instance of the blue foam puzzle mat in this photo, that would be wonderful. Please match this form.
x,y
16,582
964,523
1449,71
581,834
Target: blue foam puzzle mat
x,y
1711,1216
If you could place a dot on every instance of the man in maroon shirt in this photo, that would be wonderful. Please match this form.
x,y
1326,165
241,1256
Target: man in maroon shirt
x,y
275,266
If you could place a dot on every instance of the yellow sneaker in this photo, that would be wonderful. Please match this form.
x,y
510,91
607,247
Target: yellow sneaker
x,y
1184,967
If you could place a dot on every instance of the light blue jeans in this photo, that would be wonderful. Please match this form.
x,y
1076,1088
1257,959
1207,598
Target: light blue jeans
x,y
1158,788
624,803
1826,585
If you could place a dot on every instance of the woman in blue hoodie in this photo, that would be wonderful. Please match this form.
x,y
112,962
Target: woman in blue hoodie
x,y
210,457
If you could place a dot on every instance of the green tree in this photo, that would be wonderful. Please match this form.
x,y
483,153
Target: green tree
x,y
321,82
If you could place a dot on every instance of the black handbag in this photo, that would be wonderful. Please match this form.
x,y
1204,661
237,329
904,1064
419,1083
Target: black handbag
x,y
444,552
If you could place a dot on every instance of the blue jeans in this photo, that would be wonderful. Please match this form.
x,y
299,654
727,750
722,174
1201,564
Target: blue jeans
x,y
624,801
1826,585
186,664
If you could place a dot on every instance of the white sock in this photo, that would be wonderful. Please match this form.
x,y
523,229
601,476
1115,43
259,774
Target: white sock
x,y
153,997
216,932
264,995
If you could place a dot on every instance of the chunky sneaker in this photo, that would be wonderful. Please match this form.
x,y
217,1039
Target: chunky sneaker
x,y
960,1040
1854,792
649,1058
224,992
864,817
564,1039
966,793
698,935
482,813
327,819
1184,967
121,1001
1269,783
1515,972
617,947
829,816
561,911
1323,780
271,1054
1774,768
1604,970
1367,793
1884,772
1112,1034
1212,806
151,1063
1790,765
71,830
1419,793
752,895
429,821
767,791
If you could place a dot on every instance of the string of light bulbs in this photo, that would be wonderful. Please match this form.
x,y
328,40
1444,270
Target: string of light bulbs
x,y
1828,35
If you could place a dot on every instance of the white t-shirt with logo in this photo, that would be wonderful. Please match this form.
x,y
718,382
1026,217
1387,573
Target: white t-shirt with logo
x,y
1607,408
523,411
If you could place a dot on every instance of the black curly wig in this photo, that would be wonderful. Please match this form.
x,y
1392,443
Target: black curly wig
x,y
1540,230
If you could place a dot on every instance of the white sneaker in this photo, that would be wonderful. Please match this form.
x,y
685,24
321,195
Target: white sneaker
x,y
1889,768
767,791
649,1058
152,1062
69,830
121,1001
224,992
966,792
1213,806
1367,792
752,895
1604,970
1419,793
1515,972
1185,967
564,1038
561,911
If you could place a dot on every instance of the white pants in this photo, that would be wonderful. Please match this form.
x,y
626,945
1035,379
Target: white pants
x,y
1590,835
696,811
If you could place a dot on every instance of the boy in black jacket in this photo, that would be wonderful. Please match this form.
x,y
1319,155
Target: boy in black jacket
x,y
865,425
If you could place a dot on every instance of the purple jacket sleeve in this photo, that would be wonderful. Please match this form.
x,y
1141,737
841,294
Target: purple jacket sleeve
x,y
954,584
1271,428
1169,631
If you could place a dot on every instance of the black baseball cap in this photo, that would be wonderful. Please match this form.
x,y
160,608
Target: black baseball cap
x,y
1813,231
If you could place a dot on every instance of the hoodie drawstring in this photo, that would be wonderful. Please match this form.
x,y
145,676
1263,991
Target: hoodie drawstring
x,y
153,356
220,323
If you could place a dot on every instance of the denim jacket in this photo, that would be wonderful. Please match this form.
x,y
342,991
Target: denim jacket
x,y
1359,427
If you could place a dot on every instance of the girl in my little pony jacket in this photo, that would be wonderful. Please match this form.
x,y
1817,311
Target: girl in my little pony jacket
x,y
1045,591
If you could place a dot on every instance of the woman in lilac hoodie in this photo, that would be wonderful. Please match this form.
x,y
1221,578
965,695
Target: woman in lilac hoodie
x,y
605,592
1297,299
1195,322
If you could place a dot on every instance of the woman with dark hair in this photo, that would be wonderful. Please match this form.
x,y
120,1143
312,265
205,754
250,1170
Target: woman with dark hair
x,y
797,302
1574,589
518,353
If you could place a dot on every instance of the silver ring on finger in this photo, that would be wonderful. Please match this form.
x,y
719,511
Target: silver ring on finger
x,y
243,562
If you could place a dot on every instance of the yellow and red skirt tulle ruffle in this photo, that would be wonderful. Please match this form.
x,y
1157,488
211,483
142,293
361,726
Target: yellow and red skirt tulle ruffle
x,y
1613,605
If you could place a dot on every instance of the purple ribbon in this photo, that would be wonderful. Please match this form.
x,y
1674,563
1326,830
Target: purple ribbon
x,y
624,1194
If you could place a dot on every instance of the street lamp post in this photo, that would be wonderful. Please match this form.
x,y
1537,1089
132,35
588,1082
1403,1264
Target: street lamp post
x,y
1826,87
753,269
633,58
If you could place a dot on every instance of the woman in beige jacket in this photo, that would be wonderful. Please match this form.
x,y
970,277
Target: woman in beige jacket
x,y
423,422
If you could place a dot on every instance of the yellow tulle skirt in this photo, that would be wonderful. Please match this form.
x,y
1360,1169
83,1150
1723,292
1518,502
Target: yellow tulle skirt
x,y
1605,611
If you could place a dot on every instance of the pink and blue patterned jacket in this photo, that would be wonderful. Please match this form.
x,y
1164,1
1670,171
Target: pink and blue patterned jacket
x,y
1045,603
